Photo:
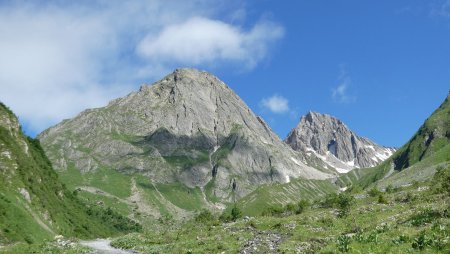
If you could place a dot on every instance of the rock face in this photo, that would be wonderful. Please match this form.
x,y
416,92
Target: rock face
x,y
188,127
332,141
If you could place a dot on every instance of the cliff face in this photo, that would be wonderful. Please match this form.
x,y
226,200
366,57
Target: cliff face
x,y
188,127
333,142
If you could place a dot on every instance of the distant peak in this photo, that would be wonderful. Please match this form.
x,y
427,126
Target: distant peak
x,y
189,72
314,116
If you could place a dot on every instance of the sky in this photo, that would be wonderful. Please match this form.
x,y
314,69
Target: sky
x,y
382,67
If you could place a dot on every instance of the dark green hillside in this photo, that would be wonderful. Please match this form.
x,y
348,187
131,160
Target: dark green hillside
x,y
432,136
416,160
34,204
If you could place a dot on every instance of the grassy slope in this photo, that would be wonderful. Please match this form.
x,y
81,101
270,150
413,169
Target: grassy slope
x,y
406,220
428,147
282,194
432,136
50,203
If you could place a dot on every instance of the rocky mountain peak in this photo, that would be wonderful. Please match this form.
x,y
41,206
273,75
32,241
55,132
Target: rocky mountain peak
x,y
188,127
333,142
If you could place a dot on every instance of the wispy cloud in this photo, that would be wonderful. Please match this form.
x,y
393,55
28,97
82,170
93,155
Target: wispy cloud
x,y
341,93
276,104
58,59
441,9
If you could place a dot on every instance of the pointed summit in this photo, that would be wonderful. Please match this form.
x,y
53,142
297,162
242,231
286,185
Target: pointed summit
x,y
187,128
334,143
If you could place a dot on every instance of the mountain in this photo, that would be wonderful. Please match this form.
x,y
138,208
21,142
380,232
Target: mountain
x,y
431,137
426,152
34,204
417,160
189,131
329,139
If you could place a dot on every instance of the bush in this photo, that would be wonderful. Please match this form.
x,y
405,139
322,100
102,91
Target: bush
x,y
390,188
274,210
290,208
381,199
401,239
374,192
235,213
302,206
343,243
344,203
329,201
441,180
421,242
204,216
424,217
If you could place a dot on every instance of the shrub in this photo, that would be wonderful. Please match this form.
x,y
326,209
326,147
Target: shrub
x,y
421,242
425,216
343,243
408,198
374,192
235,213
274,210
302,206
204,216
329,201
290,208
401,239
381,199
441,180
344,203
390,188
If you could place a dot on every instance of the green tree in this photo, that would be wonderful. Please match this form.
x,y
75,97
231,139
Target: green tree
x,y
235,213
344,203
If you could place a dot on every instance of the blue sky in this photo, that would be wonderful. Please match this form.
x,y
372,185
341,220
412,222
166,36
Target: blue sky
x,y
380,66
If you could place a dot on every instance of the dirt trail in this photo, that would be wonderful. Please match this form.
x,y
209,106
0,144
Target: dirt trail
x,y
102,246
142,204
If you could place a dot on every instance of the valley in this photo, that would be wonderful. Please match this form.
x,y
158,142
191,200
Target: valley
x,y
184,166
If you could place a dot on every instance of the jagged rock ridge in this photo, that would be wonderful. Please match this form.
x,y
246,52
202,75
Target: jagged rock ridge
x,y
188,127
332,141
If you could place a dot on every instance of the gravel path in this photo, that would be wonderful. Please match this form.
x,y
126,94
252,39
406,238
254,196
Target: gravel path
x,y
101,246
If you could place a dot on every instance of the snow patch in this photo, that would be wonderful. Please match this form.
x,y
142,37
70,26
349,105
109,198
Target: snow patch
x,y
288,179
370,147
342,170
296,161
351,163
264,141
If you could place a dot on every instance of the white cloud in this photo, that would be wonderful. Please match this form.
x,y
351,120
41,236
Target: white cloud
x,y
58,59
276,104
202,40
340,93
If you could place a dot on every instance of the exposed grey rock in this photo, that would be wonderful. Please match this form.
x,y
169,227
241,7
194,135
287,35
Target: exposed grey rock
x,y
188,127
332,141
